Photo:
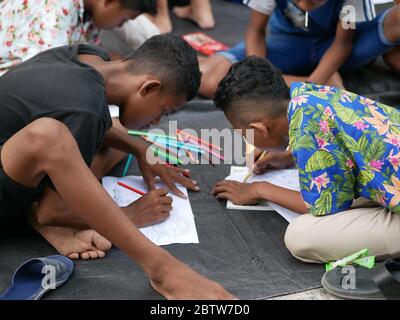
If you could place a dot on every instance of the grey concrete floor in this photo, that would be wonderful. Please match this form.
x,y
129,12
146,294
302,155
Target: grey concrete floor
x,y
315,294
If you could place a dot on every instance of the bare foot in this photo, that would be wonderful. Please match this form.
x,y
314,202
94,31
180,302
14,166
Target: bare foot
x,y
162,22
199,12
73,243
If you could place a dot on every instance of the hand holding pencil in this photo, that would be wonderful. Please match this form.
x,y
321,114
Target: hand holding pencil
x,y
251,172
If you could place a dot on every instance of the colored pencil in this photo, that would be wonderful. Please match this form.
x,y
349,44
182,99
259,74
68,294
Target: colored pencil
x,y
128,164
178,145
168,150
201,141
166,157
188,152
251,171
131,188
209,150
144,133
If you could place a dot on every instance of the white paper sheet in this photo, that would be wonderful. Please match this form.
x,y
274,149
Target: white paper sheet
x,y
180,227
288,179
382,1
238,174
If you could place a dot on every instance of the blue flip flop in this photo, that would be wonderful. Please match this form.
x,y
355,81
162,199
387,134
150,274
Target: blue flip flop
x,y
37,276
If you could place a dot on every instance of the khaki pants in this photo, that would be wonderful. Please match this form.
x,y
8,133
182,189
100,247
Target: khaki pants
x,y
365,225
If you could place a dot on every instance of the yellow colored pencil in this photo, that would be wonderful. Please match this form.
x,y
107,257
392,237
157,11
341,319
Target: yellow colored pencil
x,y
263,155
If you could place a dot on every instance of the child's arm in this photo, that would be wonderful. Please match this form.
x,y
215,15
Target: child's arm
x,y
250,193
336,55
255,35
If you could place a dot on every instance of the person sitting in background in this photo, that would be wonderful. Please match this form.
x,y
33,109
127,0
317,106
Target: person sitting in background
x,y
29,27
134,32
311,40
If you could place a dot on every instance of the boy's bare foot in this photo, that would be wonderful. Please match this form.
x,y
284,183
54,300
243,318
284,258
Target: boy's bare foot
x,y
162,22
73,243
152,208
199,12
179,282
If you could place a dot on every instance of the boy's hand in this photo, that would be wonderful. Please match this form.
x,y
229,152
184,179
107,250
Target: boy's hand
x,y
176,281
274,160
152,208
238,193
169,175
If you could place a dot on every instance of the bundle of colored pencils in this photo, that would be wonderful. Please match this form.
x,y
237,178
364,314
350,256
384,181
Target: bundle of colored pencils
x,y
169,147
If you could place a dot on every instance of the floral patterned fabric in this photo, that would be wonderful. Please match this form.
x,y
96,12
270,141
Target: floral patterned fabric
x,y
28,27
345,146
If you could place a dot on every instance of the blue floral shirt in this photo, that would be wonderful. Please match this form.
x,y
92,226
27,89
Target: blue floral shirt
x,y
345,146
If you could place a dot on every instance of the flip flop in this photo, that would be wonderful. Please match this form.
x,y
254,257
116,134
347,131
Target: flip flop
x,y
379,283
37,276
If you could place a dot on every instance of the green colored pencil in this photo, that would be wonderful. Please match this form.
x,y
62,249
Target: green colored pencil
x,y
147,134
158,152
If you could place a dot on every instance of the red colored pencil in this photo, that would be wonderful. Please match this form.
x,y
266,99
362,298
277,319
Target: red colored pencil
x,y
131,188
200,141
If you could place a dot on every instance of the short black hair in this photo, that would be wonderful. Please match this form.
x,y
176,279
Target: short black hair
x,y
253,84
141,6
170,58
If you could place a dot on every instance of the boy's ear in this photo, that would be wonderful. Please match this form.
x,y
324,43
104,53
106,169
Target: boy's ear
x,y
261,128
149,87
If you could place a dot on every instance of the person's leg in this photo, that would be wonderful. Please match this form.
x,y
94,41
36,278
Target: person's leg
x,y
162,19
199,11
376,38
52,210
392,32
392,58
323,239
215,68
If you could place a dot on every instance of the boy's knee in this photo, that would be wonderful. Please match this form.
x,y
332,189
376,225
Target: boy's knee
x,y
392,24
213,71
299,240
48,136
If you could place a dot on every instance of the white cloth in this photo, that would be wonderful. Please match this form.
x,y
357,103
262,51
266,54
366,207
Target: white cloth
x,y
263,6
135,32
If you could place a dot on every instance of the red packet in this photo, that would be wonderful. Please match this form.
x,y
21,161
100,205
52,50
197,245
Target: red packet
x,y
204,44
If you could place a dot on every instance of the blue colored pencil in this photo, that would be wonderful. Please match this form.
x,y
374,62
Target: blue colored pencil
x,y
127,165
178,145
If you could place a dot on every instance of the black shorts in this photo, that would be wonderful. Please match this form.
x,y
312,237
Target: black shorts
x,y
15,199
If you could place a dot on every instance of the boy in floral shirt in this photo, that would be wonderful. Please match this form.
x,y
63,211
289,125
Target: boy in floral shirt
x,y
28,27
345,146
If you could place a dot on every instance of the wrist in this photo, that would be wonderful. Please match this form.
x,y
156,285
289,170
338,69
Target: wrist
x,y
159,268
261,190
